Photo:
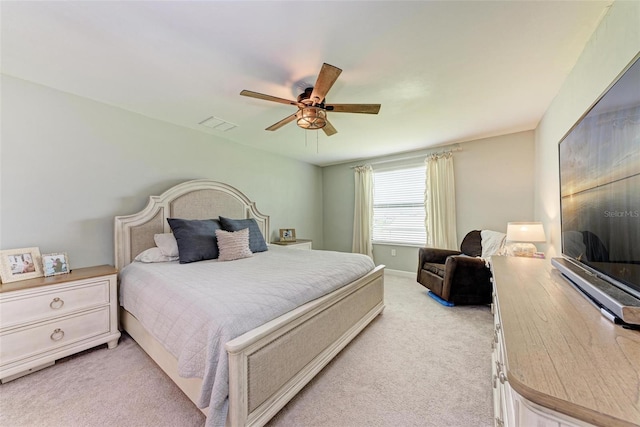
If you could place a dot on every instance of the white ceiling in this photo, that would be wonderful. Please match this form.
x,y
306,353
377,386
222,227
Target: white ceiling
x,y
444,72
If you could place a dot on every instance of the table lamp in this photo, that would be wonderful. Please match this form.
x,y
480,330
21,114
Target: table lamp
x,y
522,235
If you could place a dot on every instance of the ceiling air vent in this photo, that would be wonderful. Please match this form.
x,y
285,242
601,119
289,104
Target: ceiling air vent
x,y
218,124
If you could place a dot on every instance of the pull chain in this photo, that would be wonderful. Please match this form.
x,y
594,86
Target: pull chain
x,y
306,141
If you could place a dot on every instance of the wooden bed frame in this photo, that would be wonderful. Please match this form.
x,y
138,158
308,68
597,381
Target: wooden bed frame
x,y
270,364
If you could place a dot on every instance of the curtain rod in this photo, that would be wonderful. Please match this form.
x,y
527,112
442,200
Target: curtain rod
x,y
417,156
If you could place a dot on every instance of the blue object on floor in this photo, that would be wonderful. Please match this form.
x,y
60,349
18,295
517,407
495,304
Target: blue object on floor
x,y
440,300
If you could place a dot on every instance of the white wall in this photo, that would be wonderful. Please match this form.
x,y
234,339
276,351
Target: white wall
x,y
494,185
70,164
494,182
611,48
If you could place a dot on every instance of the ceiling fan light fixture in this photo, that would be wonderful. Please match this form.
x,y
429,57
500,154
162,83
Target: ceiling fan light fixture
x,y
311,118
312,111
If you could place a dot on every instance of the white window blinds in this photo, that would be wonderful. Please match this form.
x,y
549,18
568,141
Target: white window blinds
x,y
398,206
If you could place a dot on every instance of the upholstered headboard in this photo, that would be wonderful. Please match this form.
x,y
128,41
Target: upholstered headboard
x,y
197,199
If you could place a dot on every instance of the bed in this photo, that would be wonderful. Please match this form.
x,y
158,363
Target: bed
x,y
268,364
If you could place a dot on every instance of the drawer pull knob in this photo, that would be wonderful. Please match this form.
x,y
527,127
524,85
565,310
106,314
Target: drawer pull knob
x,y
502,377
56,303
57,335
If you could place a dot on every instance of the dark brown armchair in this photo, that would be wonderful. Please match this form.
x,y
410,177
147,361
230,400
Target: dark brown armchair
x,y
457,277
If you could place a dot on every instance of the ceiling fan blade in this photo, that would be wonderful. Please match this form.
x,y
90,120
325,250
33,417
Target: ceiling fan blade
x,y
329,129
327,77
282,122
354,108
252,94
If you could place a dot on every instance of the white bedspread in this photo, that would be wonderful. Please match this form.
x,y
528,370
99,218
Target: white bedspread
x,y
194,309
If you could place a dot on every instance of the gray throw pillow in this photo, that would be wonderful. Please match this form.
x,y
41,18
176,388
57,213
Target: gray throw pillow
x,y
256,239
196,238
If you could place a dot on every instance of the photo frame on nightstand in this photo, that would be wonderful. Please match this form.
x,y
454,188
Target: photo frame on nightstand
x,y
56,263
287,234
20,264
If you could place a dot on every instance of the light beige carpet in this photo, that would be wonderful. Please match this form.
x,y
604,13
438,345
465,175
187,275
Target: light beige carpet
x,y
418,364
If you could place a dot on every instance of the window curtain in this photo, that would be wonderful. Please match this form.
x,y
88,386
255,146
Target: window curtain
x,y
363,211
440,202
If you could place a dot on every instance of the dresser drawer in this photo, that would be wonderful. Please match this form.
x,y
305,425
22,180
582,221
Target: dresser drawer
x,y
21,343
41,304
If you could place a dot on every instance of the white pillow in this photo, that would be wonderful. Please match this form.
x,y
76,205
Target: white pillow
x,y
233,244
154,255
167,244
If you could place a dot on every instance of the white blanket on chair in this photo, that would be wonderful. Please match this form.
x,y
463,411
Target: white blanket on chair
x,y
492,243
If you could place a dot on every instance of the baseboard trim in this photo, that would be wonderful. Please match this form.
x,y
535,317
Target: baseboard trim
x,y
400,273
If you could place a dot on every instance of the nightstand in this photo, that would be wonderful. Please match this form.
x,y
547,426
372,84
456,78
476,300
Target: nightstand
x,y
45,319
298,244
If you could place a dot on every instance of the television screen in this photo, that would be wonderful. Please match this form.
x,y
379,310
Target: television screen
x,y
600,185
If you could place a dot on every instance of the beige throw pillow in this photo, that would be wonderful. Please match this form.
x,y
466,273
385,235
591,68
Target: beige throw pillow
x,y
233,244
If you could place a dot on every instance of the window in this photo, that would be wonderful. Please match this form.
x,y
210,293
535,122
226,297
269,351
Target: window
x,y
398,206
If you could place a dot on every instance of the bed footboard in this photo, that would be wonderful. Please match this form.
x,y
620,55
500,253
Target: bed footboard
x,y
270,364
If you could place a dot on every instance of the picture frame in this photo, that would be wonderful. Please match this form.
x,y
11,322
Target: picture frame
x,y
20,264
287,234
55,263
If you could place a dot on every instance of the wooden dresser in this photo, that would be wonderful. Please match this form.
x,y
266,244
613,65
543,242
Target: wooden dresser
x,y
47,318
557,361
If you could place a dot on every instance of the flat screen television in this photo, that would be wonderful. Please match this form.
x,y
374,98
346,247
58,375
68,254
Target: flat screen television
x,y
600,201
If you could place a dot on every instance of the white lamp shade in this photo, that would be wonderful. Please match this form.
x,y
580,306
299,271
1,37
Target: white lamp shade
x,y
525,232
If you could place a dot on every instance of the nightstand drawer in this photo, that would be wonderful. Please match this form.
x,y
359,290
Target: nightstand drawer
x,y
301,245
21,343
51,302
298,244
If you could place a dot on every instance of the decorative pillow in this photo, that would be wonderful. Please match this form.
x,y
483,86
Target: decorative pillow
x,y
256,240
233,244
154,255
167,244
196,238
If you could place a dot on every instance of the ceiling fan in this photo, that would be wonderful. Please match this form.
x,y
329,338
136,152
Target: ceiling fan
x,y
312,110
